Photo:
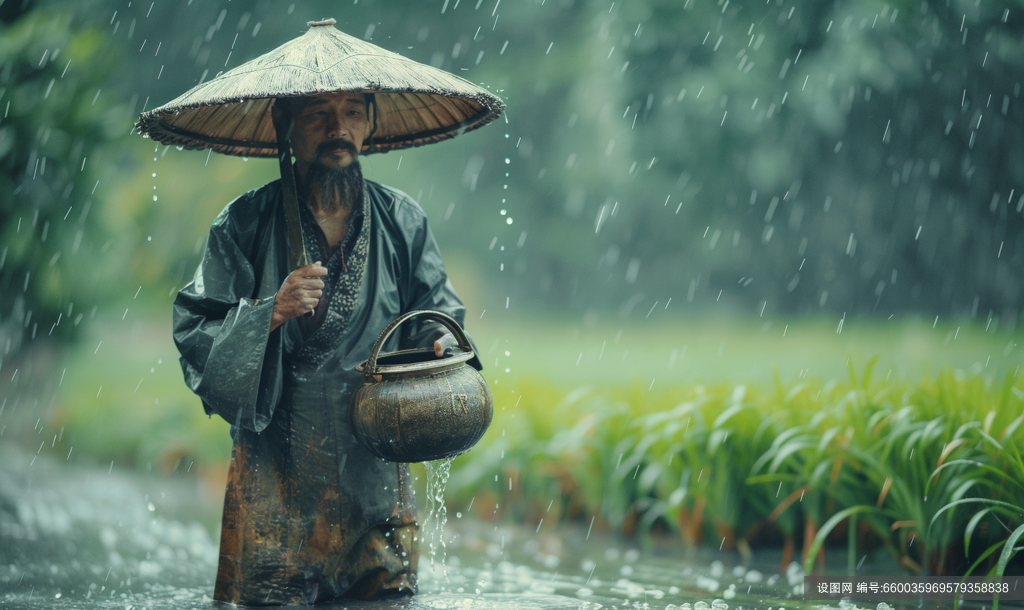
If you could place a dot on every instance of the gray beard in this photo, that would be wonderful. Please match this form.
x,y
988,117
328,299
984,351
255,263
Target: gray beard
x,y
337,188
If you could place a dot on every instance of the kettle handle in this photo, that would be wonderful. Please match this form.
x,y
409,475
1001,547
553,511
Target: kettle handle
x,y
437,316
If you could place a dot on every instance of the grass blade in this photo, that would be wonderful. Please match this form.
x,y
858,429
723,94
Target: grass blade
x,y
1004,558
969,500
969,530
970,570
827,528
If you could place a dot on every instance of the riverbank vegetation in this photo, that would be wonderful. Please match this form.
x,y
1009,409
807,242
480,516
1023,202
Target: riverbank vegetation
x,y
929,471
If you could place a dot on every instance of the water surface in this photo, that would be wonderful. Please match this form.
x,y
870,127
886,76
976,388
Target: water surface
x,y
91,538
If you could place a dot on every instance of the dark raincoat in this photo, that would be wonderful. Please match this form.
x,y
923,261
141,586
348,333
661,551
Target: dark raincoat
x,y
309,514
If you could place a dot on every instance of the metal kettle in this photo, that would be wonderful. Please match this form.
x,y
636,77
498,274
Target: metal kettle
x,y
422,408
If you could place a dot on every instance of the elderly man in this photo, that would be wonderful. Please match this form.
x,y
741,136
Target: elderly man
x,y
270,342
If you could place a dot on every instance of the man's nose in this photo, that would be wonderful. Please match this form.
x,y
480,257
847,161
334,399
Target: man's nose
x,y
335,127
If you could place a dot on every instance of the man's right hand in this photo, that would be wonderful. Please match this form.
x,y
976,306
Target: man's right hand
x,y
299,294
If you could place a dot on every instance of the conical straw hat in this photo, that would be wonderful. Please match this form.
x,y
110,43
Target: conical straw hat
x,y
231,114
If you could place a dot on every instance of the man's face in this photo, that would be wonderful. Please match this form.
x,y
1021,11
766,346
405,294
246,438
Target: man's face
x,y
329,130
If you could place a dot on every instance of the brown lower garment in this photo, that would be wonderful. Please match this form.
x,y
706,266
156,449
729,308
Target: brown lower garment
x,y
290,535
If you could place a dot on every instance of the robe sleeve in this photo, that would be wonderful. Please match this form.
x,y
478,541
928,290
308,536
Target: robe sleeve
x,y
229,357
428,287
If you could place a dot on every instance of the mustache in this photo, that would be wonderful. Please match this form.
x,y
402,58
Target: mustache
x,y
337,144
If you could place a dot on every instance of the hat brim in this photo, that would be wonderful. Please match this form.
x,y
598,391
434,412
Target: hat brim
x,y
417,104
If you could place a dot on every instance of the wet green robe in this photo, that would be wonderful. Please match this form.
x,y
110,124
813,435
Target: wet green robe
x,y
309,514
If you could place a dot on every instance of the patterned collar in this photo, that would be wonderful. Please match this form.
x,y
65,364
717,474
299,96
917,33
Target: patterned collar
x,y
345,269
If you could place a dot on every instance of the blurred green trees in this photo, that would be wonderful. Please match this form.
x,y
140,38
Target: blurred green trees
x,y
787,157
864,156
54,121
860,157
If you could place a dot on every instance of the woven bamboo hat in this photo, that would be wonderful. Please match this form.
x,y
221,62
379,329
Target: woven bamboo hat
x,y
416,104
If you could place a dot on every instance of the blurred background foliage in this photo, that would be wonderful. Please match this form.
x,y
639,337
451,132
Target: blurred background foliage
x,y
53,65
791,157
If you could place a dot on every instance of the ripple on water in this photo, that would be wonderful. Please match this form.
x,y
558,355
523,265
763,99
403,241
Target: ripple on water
x,y
518,601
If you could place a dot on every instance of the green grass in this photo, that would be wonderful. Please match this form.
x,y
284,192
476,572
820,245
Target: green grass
x,y
922,467
710,349
122,398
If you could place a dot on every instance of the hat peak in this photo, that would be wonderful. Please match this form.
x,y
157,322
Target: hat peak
x,y
321,22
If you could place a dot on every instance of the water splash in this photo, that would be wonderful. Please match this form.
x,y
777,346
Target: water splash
x,y
437,513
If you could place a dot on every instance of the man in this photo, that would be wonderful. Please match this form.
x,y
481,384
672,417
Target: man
x,y
309,514
270,343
